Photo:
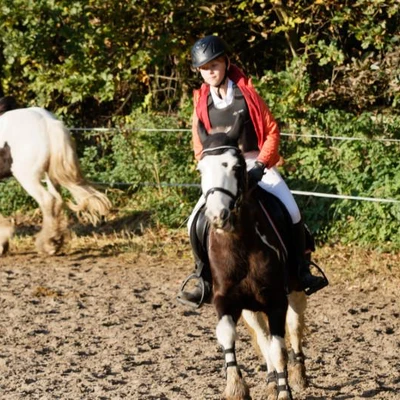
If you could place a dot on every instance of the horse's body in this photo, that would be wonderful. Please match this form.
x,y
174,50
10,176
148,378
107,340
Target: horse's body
x,y
35,146
252,269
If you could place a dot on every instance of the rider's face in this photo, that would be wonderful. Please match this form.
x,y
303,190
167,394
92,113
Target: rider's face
x,y
214,71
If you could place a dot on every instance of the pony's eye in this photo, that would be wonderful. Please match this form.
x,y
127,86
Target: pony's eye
x,y
224,164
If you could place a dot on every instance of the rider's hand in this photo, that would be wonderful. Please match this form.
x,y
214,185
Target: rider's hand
x,y
256,173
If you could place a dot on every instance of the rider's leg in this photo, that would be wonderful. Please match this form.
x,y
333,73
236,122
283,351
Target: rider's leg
x,y
310,283
274,183
197,228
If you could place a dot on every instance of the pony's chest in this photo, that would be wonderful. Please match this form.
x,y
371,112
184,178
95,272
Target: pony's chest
x,y
229,251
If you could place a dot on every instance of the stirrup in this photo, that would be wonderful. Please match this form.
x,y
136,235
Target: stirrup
x,y
310,290
202,287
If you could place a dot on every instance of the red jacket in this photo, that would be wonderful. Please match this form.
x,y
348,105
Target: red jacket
x,y
264,123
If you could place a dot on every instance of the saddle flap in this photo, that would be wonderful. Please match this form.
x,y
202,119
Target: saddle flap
x,y
281,218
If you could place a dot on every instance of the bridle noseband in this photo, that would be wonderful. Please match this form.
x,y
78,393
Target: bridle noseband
x,y
222,190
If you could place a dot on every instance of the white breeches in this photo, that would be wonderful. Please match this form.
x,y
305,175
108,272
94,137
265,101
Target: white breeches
x,y
271,182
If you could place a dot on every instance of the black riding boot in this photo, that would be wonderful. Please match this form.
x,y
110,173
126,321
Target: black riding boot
x,y
200,290
310,283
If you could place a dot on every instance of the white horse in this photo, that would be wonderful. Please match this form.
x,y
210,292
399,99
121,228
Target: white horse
x,y
35,146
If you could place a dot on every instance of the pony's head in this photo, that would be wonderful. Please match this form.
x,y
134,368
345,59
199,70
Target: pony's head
x,y
223,174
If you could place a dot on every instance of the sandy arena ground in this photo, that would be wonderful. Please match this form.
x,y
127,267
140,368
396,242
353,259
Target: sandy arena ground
x,y
101,322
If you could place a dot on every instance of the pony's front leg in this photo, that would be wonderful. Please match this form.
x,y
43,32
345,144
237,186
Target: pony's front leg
x,y
269,335
277,348
257,324
51,238
278,355
236,388
295,324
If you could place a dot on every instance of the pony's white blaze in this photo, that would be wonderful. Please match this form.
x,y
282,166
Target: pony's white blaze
x,y
218,171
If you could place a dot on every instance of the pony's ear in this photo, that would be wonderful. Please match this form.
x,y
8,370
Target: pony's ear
x,y
237,128
201,130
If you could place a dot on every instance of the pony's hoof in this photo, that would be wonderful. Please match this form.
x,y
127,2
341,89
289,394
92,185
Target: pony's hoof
x,y
284,396
4,247
272,391
50,246
236,388
47,248
6,233
297,377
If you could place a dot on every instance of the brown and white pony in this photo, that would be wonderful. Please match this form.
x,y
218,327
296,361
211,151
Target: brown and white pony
x,y
35,146
252,269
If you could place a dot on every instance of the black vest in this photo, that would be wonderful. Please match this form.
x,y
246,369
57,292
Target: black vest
x,y
226,117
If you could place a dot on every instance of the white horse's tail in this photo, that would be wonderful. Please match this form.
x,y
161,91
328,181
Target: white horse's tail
x,y
64,169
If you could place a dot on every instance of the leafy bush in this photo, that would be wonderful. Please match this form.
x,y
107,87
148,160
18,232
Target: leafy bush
x,y
13,197
360,166
352,168
154,164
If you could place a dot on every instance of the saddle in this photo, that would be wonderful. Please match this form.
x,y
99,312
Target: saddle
x,y
279,216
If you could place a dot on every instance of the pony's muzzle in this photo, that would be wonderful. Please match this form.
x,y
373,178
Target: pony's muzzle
x,y
224,214
220,220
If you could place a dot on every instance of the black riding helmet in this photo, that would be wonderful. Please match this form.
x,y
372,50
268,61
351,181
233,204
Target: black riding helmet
x,y
207,49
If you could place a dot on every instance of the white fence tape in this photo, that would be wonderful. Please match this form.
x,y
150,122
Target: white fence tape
x,y
296,192
340,196
282,134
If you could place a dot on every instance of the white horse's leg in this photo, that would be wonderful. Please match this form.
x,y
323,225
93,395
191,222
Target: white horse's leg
x,y
258,325
49,239
236,388
273,350
6,231
278,356
58,202
295,326
59,218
